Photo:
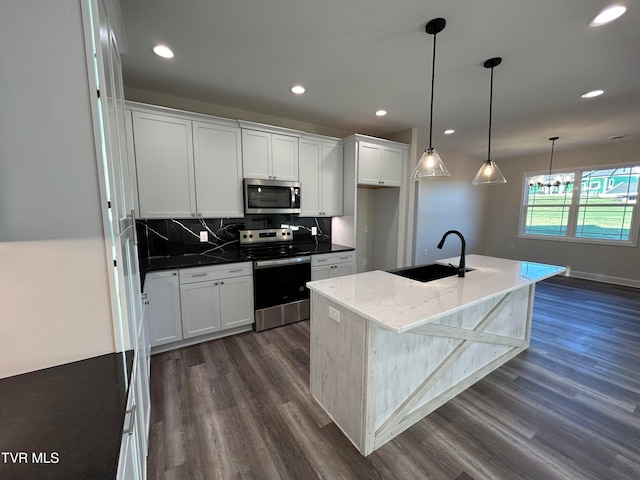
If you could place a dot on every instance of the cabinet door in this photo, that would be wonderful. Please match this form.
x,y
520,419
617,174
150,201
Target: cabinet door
x,y
200,306
218,170
163,294
236,302
284,157
331,180
369,158
256,154
391,172
164,165
143,413
320,273
129,462
343,269
310,187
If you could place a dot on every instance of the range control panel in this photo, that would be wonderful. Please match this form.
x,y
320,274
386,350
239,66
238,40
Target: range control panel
x,y
266,235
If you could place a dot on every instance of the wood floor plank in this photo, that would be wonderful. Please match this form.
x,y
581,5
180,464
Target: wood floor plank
x,y
567,408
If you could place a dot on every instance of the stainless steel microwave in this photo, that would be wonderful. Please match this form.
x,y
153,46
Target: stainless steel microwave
x,y
271,196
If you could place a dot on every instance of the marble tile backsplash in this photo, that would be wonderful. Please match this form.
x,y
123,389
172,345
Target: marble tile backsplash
x,y
170,237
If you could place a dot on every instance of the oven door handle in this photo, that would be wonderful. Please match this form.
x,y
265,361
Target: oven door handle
x,y
281,262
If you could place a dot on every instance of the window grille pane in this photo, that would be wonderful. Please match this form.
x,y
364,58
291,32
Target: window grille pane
x,y
546,221
613,183
607,222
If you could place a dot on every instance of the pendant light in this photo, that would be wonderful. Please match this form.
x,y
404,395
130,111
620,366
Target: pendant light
x,y
489,171
430,164
551,181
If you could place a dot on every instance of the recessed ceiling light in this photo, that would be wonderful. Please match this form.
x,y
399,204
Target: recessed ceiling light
x,y
449,132
298,89
592,93
381,113
609,14
163,51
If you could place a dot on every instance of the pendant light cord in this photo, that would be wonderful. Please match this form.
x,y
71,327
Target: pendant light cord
x,y
553,142
490,115
433,77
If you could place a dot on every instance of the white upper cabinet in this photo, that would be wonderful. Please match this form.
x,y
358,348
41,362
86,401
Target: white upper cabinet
x,y
186,166
163,149
380,164
269,155
321,164
256,154
218,170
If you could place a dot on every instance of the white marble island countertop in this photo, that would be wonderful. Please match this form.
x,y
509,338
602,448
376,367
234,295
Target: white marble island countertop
x,y
400,304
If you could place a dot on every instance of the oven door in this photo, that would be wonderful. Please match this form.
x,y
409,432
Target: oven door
x,y
280,291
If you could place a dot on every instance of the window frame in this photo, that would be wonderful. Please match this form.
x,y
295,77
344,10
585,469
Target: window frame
x,y
573,208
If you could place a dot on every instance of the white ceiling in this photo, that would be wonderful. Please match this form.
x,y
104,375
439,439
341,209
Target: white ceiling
x,y
356,56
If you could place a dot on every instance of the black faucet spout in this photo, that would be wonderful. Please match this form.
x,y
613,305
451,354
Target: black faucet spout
x,y
461,265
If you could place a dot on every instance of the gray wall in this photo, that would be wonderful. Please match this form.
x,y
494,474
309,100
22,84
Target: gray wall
x,y
55,304
449,203
616,264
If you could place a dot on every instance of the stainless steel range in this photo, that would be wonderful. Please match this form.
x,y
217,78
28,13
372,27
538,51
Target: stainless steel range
x,y
280,274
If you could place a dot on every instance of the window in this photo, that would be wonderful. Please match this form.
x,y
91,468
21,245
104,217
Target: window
x,y
582,204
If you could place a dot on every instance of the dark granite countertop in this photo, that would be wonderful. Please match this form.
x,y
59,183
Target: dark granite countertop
x,y
219,258
64,422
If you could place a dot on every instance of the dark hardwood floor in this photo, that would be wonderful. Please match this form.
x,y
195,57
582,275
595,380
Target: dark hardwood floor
x,y
567,408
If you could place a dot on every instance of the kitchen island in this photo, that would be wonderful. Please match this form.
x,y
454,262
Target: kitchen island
x,y
386,350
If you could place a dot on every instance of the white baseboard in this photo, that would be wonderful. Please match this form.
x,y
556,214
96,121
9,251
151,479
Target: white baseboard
x,y
596,277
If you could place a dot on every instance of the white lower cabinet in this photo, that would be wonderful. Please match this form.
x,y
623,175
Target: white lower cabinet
x,y
332,265
236,302
132,463
200,308
191,302
215,298
163,293
129,462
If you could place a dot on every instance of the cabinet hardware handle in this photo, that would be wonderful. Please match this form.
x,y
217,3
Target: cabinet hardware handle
x,y
174,274
132,421
235,270
344,258
322,260
215,283
198,274
193,214
222,282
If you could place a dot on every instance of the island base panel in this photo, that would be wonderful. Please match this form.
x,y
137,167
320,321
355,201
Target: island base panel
x,y
375,383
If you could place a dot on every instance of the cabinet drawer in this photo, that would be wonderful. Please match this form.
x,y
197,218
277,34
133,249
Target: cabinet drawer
x,y
333,258
217,272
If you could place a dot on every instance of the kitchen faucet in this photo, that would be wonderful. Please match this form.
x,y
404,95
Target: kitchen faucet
x,y
461,266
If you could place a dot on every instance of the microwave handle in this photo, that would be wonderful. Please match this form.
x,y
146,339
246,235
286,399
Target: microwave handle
x,y
293,196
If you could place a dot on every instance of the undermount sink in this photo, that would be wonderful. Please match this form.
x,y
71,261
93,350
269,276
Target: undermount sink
x,y
427,273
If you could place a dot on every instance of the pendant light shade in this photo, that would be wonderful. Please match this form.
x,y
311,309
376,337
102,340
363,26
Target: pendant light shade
x,y
489,171
430,164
